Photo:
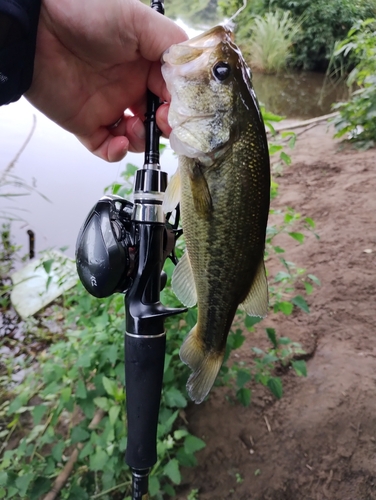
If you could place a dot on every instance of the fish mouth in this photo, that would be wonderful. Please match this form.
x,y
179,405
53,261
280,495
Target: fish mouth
x,y
180,119
185,142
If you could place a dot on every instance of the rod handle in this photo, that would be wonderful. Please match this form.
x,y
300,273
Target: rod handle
x,y
144,364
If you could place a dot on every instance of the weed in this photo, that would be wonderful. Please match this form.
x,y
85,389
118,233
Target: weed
x,y
271,39
71,404
239,478
193,495
357,117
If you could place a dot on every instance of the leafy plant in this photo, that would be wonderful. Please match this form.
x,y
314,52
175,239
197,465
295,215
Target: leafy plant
x,y
262,369
7,251
80,380
270,40
323,23
12,186
66,420
358,116
193,495
277,145
265,36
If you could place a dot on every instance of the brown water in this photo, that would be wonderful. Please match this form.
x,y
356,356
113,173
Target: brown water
x,y
298,95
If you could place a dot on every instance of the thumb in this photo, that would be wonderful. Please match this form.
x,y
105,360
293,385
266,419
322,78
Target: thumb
x,y
155,32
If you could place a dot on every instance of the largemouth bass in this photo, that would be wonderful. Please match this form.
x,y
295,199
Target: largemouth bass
x,y
223,185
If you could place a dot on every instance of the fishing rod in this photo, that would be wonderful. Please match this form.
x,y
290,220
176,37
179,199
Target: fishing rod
x,y
122,247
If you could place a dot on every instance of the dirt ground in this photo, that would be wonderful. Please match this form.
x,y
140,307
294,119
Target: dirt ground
x,y
321,441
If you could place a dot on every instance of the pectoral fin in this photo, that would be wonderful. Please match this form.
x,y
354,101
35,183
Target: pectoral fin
x,y
256,302
183,282
173,193
200,192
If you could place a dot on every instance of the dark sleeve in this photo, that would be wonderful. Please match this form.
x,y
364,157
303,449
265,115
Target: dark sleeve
x,y
18,33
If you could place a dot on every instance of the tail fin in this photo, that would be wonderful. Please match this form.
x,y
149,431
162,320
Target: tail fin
x,y
205,366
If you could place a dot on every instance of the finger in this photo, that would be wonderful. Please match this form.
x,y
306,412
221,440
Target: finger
x,y
155,32
103,144
117,148
162,120
113,142
156,82
133,128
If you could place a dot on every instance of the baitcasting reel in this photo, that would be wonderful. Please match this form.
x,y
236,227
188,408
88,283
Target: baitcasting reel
x,y
108,244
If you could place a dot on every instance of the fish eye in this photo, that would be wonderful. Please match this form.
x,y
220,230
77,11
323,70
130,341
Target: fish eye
x,y
221,71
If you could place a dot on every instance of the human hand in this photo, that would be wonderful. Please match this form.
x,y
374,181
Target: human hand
x,y
94,61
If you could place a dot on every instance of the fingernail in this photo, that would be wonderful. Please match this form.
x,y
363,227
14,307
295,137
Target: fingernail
x,y
138,128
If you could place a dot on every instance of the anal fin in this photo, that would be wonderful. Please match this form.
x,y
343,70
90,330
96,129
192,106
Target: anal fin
x,y
183,283
257,301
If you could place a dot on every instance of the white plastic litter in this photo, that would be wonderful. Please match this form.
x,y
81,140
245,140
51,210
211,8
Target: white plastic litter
x,y
42,281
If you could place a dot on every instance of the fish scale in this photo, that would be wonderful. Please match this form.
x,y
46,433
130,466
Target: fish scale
x,y
224,195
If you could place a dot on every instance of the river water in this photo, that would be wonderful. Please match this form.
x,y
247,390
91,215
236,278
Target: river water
x,y
298,95
73,179
61,169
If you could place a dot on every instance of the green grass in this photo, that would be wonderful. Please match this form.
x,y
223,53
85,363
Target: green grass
x,y
271,39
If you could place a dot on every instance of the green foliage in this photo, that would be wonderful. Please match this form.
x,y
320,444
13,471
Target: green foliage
x,y
282,284
77,378
7,251
193,495
124,188
270,40
282,353
265,37
277,145
12,186
358,116
79,381
323,22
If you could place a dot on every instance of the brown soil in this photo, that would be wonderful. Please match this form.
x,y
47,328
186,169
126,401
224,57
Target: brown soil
x,y
321,441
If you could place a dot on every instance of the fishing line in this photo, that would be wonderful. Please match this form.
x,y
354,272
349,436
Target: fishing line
x,y
245,2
